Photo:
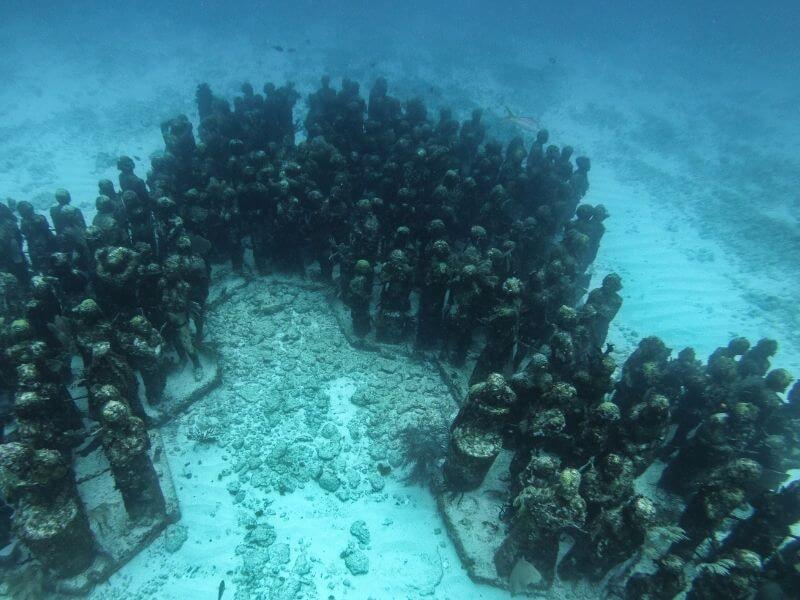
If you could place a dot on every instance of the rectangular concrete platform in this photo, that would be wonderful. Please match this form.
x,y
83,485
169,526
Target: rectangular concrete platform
x,y
118,539
473,522
183,390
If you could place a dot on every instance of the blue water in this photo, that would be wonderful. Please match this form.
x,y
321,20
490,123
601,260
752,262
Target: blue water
x,y
690,112
692,106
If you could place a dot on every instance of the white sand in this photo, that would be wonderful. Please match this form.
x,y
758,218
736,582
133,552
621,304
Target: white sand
x,y
261,417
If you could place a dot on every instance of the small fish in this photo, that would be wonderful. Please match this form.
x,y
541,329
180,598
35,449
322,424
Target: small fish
x,y
221,589
278,48
526,123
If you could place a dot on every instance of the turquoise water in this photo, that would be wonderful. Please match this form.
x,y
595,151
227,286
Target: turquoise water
x,y
689,113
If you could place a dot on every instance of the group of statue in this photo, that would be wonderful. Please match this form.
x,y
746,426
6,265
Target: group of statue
x,y
434,235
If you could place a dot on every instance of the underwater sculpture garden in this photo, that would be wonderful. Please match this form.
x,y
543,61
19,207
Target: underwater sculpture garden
x,y
427,238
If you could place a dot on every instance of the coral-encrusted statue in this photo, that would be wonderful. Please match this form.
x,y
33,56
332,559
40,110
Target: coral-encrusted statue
x,y
126,443
49,517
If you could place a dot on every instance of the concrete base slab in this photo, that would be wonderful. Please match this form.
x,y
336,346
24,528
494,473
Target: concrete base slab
x,y
183,389
118,538
474,524
456,378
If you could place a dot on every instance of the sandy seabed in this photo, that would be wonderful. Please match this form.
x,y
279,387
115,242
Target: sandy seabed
x,y
302,420
286,500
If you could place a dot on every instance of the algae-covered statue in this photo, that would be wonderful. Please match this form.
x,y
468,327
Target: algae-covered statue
x,y
477,433
359,297
49,517
126,443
